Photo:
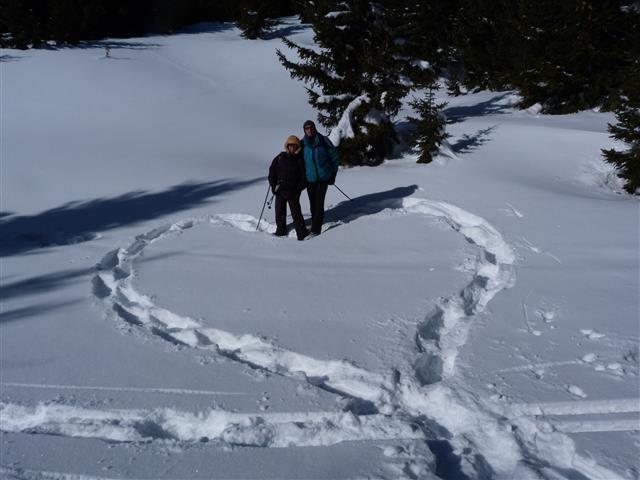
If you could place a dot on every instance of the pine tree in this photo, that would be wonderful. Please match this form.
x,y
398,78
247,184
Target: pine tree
x,y
304,9
574,52
567,55
15,19
26,23
65,21
253,20
355,79
628,130
486,43
31,23
426,29
430,125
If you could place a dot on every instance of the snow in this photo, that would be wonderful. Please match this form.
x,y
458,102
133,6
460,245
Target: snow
x,y
345,128
476,317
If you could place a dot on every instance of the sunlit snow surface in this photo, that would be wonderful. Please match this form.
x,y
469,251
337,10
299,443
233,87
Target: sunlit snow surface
x,y
472,318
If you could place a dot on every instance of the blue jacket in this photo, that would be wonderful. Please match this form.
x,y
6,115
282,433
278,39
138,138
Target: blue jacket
x,y
321,160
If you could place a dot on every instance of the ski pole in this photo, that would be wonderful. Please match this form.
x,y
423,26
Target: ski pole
x,y
263,205
350,199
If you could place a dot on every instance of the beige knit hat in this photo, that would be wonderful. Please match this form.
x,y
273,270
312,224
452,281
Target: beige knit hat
x,y
292,140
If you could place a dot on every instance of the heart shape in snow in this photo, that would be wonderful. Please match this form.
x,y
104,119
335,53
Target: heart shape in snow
x,y
439,336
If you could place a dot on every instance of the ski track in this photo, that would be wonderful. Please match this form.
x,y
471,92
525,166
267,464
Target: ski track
x,y
257,430
151,390
631,405
424,401
24,474
514,211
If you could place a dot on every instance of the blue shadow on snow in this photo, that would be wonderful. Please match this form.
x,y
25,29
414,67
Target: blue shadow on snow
x,y
369,204
77,222
493,106
468,143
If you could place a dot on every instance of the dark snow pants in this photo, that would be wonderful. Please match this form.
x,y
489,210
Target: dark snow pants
x,y
293,199
317,191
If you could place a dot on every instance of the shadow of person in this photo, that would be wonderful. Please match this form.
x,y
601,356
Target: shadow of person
x,y
369,204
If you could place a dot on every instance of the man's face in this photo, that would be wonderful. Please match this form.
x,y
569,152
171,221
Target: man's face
x,y
292,148
309,131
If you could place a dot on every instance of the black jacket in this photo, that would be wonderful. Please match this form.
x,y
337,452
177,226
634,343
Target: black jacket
x,y
287,174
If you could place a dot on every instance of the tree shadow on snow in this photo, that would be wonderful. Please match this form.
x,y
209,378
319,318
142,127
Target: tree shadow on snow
x,y
285,31
369,204
40,284
468,143
406,135
77,222
494,106
9,58
33,310
112,44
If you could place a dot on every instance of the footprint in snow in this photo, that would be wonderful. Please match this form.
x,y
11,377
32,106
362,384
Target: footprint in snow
x,y
576,391
592,334
615,368
547,316
511,211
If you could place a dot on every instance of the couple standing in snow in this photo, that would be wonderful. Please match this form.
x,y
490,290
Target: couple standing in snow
x,y
312,164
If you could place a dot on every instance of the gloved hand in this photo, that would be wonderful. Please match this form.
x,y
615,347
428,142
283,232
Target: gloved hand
x,y
332,180
275,189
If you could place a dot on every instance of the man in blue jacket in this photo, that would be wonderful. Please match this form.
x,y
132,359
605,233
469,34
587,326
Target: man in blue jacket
x,y
321,164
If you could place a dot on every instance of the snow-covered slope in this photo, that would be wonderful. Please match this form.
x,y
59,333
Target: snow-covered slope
x,y
472,318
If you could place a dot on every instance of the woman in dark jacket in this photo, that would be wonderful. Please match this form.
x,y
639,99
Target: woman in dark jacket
x,y
287,180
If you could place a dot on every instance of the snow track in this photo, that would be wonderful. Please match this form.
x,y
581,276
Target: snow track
x,y
23,474
420,401
445,330
257,430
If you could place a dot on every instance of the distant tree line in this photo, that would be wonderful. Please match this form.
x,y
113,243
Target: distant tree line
x,y
371,56
33,23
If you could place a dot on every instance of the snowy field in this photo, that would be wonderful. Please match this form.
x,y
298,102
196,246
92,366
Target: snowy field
x,y
475,318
